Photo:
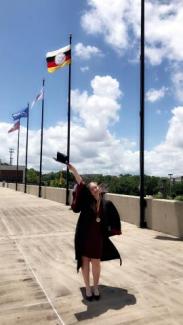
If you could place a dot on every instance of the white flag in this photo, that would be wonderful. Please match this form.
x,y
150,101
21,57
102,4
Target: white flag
x,y
38,97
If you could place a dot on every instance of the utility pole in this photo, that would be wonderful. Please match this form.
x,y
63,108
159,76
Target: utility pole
x,y
11,151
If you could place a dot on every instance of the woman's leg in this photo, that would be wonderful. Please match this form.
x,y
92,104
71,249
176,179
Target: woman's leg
x,y
96,268
86,273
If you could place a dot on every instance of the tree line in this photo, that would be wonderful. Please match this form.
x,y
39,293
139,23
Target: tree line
x,y
158,187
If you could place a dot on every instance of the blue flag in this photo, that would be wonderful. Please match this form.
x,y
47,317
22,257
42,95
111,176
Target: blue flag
x,y
20,114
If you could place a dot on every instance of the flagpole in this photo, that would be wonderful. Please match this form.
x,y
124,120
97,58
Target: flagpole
x,y
41,144
17,157
142,115
26,152
68,128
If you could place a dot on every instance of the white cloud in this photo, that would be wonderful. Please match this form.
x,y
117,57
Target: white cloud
x,y
177,78
84,69
94,148
101,108
155,55
107,19
167,157
86,52
154,95
174,135
92,144
164,39
119,24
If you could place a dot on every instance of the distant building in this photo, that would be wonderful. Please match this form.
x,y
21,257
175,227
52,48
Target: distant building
x,y
9,173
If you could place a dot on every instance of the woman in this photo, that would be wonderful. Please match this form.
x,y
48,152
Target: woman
x,y
98,220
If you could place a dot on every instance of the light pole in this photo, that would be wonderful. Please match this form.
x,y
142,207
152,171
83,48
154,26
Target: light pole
x,y
170,175
142,115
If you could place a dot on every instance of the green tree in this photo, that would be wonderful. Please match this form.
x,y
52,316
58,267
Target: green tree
x,y
151,185
32,176
177,188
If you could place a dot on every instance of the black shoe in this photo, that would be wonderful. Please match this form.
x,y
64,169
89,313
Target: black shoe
x,y
89,298
97,297
96,294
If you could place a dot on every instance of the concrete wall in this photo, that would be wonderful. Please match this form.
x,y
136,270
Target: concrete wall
x,y
161,215
11,185
49,193
127,206
165,216
54,194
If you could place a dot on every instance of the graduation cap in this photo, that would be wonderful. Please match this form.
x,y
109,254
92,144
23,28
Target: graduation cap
x,y
61,158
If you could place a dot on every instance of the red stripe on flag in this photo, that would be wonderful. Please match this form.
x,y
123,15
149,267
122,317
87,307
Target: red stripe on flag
x,y
15,127
52,64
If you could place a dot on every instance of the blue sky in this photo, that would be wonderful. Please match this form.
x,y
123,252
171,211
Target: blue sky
x,y
29,29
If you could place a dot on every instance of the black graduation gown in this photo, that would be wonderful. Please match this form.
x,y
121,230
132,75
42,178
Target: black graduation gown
x,y
110,223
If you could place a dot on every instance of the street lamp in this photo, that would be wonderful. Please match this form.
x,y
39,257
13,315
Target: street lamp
x,y
170,175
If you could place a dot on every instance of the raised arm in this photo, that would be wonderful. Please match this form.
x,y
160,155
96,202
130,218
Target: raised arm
x,y
73,170
77,201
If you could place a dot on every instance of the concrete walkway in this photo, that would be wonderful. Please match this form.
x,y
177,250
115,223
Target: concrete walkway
x,y
39,283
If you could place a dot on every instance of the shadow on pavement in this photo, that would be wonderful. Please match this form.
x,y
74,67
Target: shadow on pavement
x,y
111,298
168,238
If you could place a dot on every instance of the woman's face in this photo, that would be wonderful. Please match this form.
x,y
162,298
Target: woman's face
x,y
94,189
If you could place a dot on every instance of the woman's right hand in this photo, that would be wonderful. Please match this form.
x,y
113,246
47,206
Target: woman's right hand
x,y
71,168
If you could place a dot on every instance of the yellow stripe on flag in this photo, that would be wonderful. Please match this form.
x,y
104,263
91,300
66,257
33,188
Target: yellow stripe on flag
x,y
53,69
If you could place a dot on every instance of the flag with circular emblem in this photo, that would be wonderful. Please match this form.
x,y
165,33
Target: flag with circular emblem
x,y
58,59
